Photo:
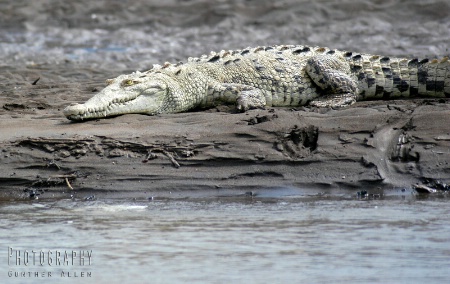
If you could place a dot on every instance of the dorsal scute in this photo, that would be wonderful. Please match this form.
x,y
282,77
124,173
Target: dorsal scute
x,y
320,49
284,47
156,67
193,59
434,61
234,52
258,49
404,61
224,53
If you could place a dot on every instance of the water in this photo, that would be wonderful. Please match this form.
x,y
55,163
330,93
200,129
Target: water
x,y
233,240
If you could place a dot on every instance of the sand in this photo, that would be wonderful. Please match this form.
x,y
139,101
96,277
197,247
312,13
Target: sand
x,y
55,54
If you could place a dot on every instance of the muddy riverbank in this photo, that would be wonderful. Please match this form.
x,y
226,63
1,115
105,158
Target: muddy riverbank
x,y
54,55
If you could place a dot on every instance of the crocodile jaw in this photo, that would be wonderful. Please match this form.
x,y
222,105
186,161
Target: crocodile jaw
x,y
116,99
90,110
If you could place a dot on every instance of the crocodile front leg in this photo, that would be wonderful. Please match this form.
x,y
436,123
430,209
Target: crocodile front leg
x,y
246,97
333,75
249,99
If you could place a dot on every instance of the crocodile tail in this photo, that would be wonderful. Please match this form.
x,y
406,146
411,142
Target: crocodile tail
x,y
389,77
433,77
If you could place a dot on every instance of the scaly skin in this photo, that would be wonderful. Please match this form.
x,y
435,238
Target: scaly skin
x,y
267,76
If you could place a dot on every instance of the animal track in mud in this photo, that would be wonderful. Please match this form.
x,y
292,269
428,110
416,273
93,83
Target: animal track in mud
x,y
298,142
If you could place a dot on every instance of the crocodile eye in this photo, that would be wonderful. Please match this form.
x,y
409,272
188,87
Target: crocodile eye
x,y
129,82
109,81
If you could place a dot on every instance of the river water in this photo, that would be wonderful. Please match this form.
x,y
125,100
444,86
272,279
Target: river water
x,y
401,239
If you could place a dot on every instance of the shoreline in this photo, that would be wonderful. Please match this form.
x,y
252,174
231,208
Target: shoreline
x,y
371,146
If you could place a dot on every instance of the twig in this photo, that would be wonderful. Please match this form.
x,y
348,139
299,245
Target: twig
x,y
68,183
171,158
35,81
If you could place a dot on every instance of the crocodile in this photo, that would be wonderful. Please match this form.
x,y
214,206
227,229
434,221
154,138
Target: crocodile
x,y
267,76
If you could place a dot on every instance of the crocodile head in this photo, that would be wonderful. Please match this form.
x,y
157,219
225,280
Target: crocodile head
x,y
133,93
